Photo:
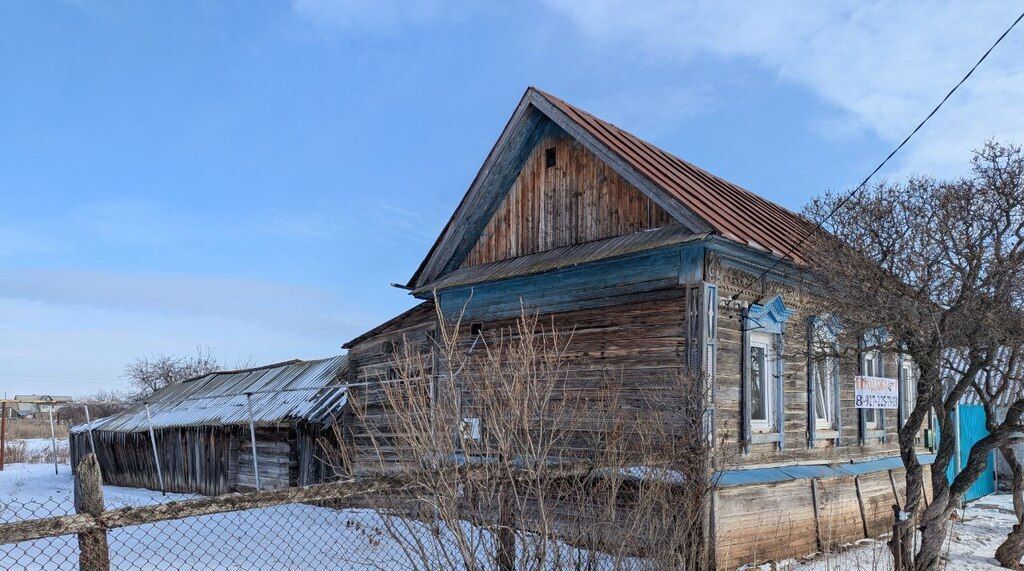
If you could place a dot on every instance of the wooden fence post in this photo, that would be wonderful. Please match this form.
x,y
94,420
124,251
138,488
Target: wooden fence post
x,y
506,555
93,554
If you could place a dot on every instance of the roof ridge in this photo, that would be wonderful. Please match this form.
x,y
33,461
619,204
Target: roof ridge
x,y
686,180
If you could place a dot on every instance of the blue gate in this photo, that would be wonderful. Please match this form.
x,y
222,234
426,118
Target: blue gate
x,y
972,429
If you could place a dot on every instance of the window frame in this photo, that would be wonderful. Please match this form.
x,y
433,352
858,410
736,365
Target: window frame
x,y
765,342
908,387
830,363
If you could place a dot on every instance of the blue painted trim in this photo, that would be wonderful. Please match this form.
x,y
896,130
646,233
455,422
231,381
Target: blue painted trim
x,y
752,476
770,316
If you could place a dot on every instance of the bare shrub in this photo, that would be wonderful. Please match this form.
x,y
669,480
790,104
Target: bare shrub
x,y
524,459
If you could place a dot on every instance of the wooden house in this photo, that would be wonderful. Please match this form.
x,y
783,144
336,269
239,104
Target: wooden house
x,y
656,265
205,430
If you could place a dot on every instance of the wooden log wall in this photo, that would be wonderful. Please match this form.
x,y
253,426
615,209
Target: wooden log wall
x,y
772,522
728,383
276,457
192,459
577,199
368,418
319,454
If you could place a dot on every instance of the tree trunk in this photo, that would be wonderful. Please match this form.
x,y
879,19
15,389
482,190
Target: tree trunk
x,y
1011,551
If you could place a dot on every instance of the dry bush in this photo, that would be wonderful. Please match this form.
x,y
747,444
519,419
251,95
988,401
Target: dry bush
x,y
519,461
15,452
29,428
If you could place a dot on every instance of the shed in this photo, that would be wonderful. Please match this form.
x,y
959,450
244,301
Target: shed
x,y
201,430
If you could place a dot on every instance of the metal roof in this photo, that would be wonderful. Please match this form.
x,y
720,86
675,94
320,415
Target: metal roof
x,y
740,215
293,390
565,256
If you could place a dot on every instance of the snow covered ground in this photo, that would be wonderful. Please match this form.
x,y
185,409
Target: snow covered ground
x,y
300,536
283,538
971,546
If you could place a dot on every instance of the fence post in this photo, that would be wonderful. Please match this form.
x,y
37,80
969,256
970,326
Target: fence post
x,y
3,432
506,555
88,423
53,437
93,553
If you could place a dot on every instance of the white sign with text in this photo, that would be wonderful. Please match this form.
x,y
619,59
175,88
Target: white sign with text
x,y
876,392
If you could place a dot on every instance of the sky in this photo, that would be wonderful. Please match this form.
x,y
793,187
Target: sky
x,y
251,176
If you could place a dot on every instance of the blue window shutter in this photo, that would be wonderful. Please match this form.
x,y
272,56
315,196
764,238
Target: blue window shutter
x,y
837,404
745,382
861,420
812,417
881,412
901,406
780,389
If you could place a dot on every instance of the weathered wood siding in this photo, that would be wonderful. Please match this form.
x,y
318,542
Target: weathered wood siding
x,y
578,199
368,431
192,459
275,455
795,399
792,519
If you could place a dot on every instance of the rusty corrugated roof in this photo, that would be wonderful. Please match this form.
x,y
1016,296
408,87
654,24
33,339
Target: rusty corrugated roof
x,y
737,213
292,390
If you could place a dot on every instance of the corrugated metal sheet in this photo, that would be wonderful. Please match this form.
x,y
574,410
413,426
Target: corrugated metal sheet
x,y
737,213
294,390
564,257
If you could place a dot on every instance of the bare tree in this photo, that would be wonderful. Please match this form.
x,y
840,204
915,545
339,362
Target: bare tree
x,y
522,464
995,388
102,403
150,374
939,265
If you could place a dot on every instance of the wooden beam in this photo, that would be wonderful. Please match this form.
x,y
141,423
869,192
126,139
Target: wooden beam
x,y
129,516
860,502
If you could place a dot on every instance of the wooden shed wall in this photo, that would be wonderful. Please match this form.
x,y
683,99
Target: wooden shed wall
x,y
276,457
192,459
578,199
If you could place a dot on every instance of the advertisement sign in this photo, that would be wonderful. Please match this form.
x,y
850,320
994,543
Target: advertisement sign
x,y
876,392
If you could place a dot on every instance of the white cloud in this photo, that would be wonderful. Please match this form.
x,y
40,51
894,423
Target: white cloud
x,y
70,331
653,110
881,65
265,305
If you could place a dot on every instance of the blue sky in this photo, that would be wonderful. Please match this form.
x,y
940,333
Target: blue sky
x,y
251,176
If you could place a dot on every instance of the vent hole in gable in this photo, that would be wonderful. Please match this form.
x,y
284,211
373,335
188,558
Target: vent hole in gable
x,y
549,157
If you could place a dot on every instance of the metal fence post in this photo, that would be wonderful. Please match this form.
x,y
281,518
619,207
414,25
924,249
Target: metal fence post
x,y
88,423
93,551
156,456
252,438
53,437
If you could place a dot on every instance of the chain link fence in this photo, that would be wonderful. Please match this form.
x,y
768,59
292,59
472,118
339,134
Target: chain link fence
x,y
324,527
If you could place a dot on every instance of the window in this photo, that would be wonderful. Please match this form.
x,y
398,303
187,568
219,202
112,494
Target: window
x,y
549,157
872,368
762,382
908,388
824,377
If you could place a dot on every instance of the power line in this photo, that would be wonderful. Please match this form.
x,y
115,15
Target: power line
x,y
892,153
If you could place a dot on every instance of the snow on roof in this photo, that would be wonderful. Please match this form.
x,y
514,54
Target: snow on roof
x,y
293,390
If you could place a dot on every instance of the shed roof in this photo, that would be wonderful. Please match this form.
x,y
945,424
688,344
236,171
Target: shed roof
x,y
292,390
